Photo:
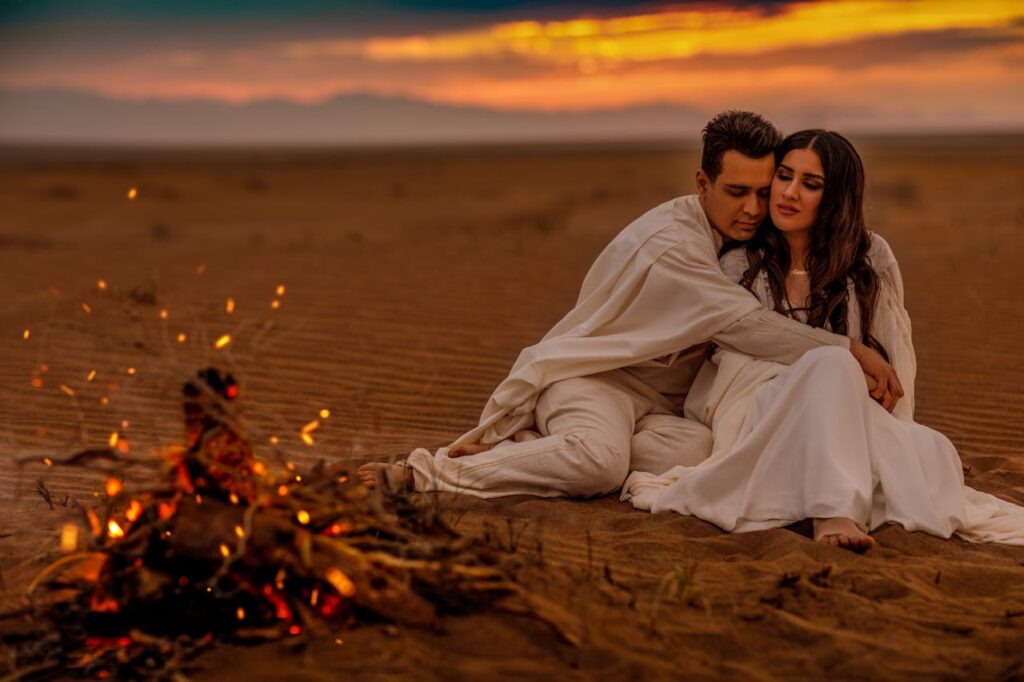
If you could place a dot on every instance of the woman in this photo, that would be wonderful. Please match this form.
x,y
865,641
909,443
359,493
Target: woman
x,y
806,441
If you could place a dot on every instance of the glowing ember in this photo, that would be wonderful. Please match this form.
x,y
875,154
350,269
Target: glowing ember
x,y
222,341
104,400
131,371
274,440
125,423
133,511
307,429
325,413
229,307
91,375
47,461
133,192
282,490
240,613
280,290
182,337
259,468
101,285
37,382
114,530
341,582
234,498
315,596
113,438
275,304
303,516
68,538
295,630
25,334
67,389
200,269
224,551
239,531
164,314
122,446
87,308
113,487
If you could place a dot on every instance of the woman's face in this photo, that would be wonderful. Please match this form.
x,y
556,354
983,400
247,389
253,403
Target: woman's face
x,y
796,191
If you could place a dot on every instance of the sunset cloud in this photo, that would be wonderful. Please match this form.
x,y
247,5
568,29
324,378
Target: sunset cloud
x,y
886,62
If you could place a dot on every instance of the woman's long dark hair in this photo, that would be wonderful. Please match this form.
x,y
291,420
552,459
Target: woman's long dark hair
x,y
839,246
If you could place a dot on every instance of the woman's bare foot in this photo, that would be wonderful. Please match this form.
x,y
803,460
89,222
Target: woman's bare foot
x,y
844,533
394,478
467,450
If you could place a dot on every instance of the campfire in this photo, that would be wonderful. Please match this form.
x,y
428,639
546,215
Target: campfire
x,y
227,549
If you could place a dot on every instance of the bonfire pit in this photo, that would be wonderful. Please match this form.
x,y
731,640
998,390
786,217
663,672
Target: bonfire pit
x,y
229,549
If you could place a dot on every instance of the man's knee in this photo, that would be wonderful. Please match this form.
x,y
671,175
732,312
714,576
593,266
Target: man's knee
x,y
602,466
567,390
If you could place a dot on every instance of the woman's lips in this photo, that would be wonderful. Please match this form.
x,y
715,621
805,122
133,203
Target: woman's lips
x,y
786,210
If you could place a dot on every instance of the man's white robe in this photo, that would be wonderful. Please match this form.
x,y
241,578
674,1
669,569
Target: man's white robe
x,y
655,290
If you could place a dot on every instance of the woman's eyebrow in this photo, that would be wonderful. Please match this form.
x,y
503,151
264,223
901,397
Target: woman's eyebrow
x,y
806,175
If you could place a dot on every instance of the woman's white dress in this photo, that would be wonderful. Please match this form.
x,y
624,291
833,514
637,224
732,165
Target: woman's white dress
x,y
806,440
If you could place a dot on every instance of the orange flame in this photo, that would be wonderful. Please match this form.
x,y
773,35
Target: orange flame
x,y
341,582
223,341
133,511
113,486
114,530
68,538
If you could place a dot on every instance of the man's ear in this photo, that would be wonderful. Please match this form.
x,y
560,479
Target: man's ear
x,y
703,183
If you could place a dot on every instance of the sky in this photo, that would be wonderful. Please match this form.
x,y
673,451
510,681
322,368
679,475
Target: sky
x,y
510,65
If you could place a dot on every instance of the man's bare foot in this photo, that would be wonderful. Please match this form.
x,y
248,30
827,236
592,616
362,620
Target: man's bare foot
x,y
843,533
394,478
467,450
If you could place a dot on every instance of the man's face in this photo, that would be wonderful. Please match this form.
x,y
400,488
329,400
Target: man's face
x,y
737,201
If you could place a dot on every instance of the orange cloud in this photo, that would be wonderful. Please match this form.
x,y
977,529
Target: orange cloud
x,y
679,34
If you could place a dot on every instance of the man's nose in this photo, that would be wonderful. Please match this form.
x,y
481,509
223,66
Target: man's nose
x,y
753,205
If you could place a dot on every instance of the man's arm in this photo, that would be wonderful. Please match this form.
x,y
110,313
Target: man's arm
x,y
768,335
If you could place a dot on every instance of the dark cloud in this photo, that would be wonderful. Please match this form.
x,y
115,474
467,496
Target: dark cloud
x,y
438,14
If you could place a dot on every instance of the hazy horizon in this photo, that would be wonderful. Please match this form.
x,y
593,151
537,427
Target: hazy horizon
x,y
411,72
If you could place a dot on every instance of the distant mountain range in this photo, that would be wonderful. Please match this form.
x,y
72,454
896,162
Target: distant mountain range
x,y
61,116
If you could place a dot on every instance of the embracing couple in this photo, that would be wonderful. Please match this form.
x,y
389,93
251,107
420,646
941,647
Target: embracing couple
x,y
742,355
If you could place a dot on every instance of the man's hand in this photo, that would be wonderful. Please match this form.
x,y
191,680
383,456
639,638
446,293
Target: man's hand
x,y
883,384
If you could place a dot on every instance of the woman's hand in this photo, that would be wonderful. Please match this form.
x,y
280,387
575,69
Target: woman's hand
x,y
883,384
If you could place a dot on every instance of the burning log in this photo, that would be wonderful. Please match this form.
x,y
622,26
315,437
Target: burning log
x,y
227,551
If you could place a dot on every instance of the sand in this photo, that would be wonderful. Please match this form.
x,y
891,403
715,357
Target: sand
x,y
412,280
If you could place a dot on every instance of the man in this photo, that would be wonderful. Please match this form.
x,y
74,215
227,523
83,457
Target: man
x,y
602,393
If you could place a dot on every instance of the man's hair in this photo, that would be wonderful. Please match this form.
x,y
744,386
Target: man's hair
x,y
746,132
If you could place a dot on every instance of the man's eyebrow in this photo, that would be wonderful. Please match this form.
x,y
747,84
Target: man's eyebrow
x,y
806,175
730,185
